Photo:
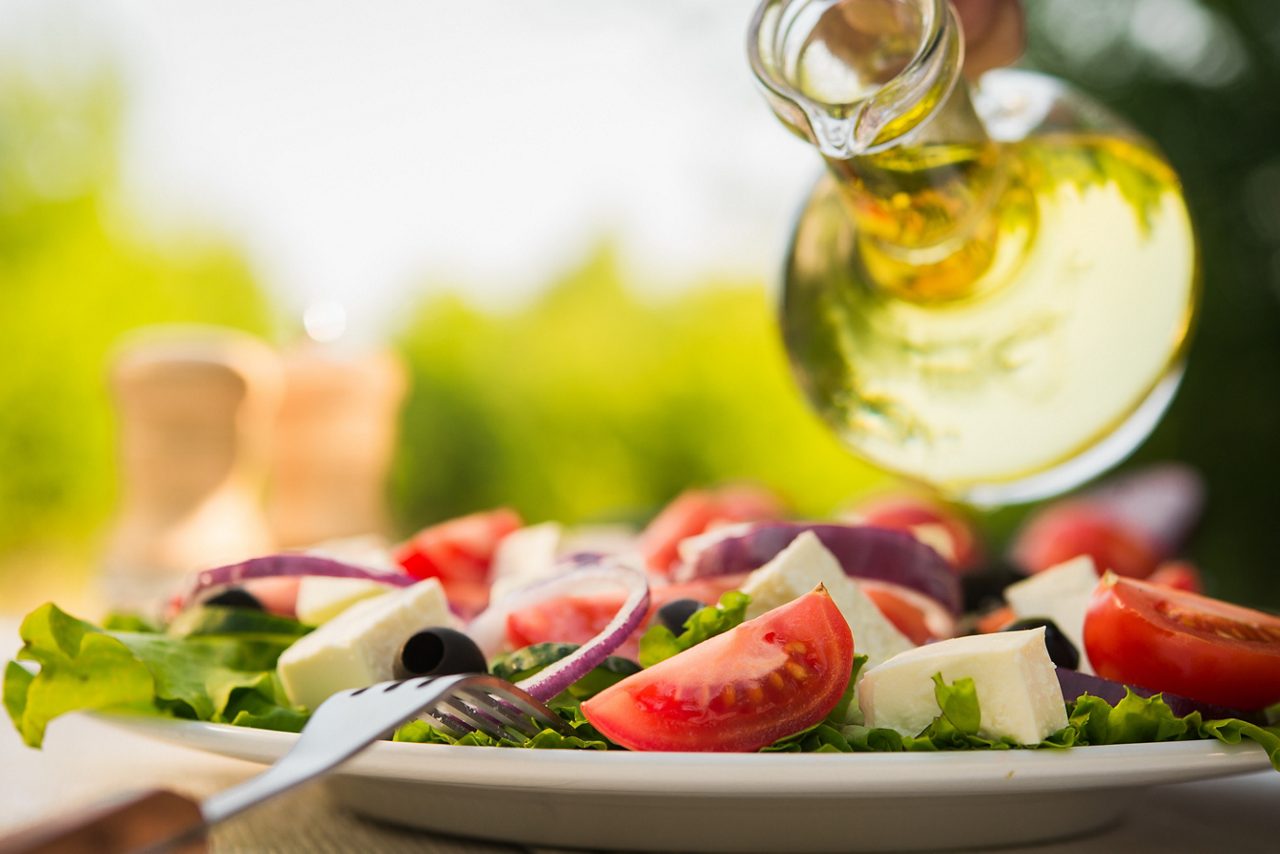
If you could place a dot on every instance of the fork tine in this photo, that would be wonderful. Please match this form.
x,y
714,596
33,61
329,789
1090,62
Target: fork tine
x,y
520,701
472,719
501,713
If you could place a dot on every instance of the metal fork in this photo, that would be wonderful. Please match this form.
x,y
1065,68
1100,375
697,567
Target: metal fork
x,y
341,727
350,721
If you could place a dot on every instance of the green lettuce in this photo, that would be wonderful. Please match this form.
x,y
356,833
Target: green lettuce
x,y
660,643
578,734
1090,720
208,677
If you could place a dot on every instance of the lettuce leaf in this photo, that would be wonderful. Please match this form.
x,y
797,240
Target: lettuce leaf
x,y
660,643
580,735
84,668
1091,720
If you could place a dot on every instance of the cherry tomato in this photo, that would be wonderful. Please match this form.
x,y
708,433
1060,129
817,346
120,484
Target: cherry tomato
x,y
996,621
577,619
460,548
1178,574
739,691
1163,639
1071,528
459,552
917,616
907,512
697,511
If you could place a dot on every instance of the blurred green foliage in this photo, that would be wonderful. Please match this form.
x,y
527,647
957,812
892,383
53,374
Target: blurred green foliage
x,y
73,277
593,404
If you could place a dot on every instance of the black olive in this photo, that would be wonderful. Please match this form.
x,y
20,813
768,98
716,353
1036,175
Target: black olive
x,y
674,613
438,651
235,597
1061,650
983,588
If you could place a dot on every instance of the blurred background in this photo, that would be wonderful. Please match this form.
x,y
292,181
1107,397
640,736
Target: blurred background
x,y
562,220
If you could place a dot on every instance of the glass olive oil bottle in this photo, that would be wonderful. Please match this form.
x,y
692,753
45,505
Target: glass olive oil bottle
x,y
990,292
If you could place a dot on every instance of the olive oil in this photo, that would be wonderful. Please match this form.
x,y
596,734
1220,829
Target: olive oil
x,y
1039,336
990,293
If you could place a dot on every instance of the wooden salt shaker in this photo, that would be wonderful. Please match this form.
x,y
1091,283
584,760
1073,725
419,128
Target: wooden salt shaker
x,y
196,411
334,442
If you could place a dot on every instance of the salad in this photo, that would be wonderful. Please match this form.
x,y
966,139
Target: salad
x,y
722,626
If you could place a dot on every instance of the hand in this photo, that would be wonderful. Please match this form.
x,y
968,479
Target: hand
x,y
994,33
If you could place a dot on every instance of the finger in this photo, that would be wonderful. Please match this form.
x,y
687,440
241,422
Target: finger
x,y
994,33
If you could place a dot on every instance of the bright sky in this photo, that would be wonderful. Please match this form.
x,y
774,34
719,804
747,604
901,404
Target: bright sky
x,y
358,150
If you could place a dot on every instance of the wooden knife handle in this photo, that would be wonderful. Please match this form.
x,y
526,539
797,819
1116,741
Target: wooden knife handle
x,y
153,821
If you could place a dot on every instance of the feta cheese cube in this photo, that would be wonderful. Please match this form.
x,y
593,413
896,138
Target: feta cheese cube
x,y
1016,684
1060,593
802,566
320,599
358,647
938,538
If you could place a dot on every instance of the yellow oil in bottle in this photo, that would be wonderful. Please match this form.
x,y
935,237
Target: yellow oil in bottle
x,y
990,294
1024,339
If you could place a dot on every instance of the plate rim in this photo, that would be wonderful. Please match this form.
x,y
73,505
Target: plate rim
x,y
873,775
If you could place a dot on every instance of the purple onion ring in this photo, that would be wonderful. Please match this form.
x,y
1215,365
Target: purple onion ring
x,y
286,565
488,629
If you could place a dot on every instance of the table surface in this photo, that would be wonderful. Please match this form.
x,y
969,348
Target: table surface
x,y
84,760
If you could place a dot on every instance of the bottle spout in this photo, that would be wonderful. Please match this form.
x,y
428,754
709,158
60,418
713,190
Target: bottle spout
x,y
854,77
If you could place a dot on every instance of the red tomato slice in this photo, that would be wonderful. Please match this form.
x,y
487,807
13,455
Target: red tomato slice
x,y
697,511
739,691
577,619
917,616
1178,574
995,621
459,552
1163,639
457,549
1072,528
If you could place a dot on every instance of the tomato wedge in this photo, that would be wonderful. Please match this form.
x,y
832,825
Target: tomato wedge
x,y
1071,528
459,552
697,511
1164,639
917,616
739,691
577,619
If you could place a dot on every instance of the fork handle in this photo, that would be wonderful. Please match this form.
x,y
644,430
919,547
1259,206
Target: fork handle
x,y
154,820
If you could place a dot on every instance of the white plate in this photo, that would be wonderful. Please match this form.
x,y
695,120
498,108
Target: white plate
x,y
747,802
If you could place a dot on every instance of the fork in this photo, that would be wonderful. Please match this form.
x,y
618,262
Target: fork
x,y
341,727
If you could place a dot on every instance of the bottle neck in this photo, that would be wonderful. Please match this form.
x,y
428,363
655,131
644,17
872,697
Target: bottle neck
x,y
875,85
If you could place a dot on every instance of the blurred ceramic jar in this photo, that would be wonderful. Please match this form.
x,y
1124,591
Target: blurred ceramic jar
x,y
335,438
197,407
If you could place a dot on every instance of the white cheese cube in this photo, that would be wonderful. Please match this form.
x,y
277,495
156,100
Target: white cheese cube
x,y
938,538
524,556
802,566
320,599
358,647
1060,593
1017,686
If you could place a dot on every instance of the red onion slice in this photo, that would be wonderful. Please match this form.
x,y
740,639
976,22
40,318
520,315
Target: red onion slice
x,y
593,573
285,565
863,551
